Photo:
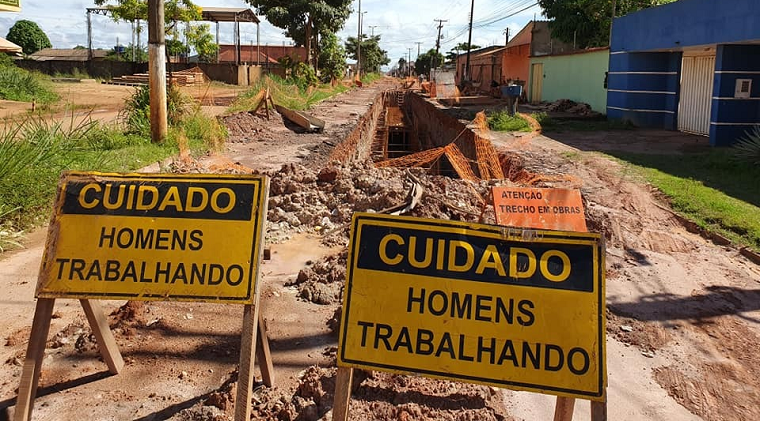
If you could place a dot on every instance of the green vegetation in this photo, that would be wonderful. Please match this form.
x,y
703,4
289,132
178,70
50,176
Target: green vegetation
x,y
501,121
425,60
285,92
748,148
460,48
586,23
332,58
75,74
372,56
549,124
136,113
306,21
34,151
17,84
715,191
28,35
371,77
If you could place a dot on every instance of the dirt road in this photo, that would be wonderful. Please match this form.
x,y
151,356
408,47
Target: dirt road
x,y
682,320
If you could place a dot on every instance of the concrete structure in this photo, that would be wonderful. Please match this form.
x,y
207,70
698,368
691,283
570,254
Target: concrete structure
x,y
578,76
254,54
485,65
516,56
512,61
691,65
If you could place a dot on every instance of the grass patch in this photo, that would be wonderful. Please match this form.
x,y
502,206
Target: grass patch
x,y
549,124
74,74
36,150
17,84
716,192
286,93
501,121
371,78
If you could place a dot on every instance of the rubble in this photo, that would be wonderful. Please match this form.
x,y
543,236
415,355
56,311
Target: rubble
x,y
572,107
302,199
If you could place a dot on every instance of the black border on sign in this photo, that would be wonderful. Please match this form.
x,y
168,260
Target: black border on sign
x,y
495,230
137,177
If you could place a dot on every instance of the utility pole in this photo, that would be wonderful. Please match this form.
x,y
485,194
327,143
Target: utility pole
x,y
372,28
409,54
469,45
157,66
418,49
506,31
437,43
438,40
359,44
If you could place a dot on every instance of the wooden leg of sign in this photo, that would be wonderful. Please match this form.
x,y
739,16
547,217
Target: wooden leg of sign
x,y
245,372
599,410
342,393
35,352
564,409
106,342
263,356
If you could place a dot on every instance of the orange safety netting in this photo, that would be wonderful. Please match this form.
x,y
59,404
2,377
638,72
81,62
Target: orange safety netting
x,y
414,160
488,160
459,162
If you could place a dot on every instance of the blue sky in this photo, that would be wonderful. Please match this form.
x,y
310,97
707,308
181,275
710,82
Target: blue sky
x,y
401,23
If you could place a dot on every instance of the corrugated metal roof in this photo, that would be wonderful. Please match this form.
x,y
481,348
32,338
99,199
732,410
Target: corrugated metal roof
x,y
228,14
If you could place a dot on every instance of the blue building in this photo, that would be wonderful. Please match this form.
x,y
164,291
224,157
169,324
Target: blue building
x,y
691,65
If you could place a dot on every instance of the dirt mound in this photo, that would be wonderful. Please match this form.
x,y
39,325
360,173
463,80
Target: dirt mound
x,y
383,396
322,282
302,199
125,319
245,127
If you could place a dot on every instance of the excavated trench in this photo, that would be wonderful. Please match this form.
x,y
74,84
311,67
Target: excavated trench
x,y
403,129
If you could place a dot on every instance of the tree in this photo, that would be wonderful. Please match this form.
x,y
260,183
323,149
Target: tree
x,y
305,21
460,48
587,22
27,35
332,58
426,61
200,39
175,11
372,55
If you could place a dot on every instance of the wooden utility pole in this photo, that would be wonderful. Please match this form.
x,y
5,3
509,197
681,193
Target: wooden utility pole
x,y
469,45
157,70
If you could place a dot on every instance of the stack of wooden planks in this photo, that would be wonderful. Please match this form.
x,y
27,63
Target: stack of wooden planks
x,y
189,77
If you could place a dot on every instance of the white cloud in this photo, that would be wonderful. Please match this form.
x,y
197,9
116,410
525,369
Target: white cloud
x,y
401,23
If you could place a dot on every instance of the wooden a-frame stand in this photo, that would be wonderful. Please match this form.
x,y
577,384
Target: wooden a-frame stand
x,y
563,411
35,352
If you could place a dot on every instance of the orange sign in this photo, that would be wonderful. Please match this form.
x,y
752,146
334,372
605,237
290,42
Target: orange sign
x,y
553,209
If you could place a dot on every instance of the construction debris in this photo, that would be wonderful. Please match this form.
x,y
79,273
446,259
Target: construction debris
x,y
571,107
308,122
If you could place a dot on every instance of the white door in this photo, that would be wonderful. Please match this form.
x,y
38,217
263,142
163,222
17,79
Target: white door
x,y
697,73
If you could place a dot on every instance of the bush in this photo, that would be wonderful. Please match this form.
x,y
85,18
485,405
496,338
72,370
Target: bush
x,y
136,113
199,127
544,120
17,84
501,121
286,93
748,147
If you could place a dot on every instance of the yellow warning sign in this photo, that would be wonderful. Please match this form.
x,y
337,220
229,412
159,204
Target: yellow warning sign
x,y
155,237
477,303
10,5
